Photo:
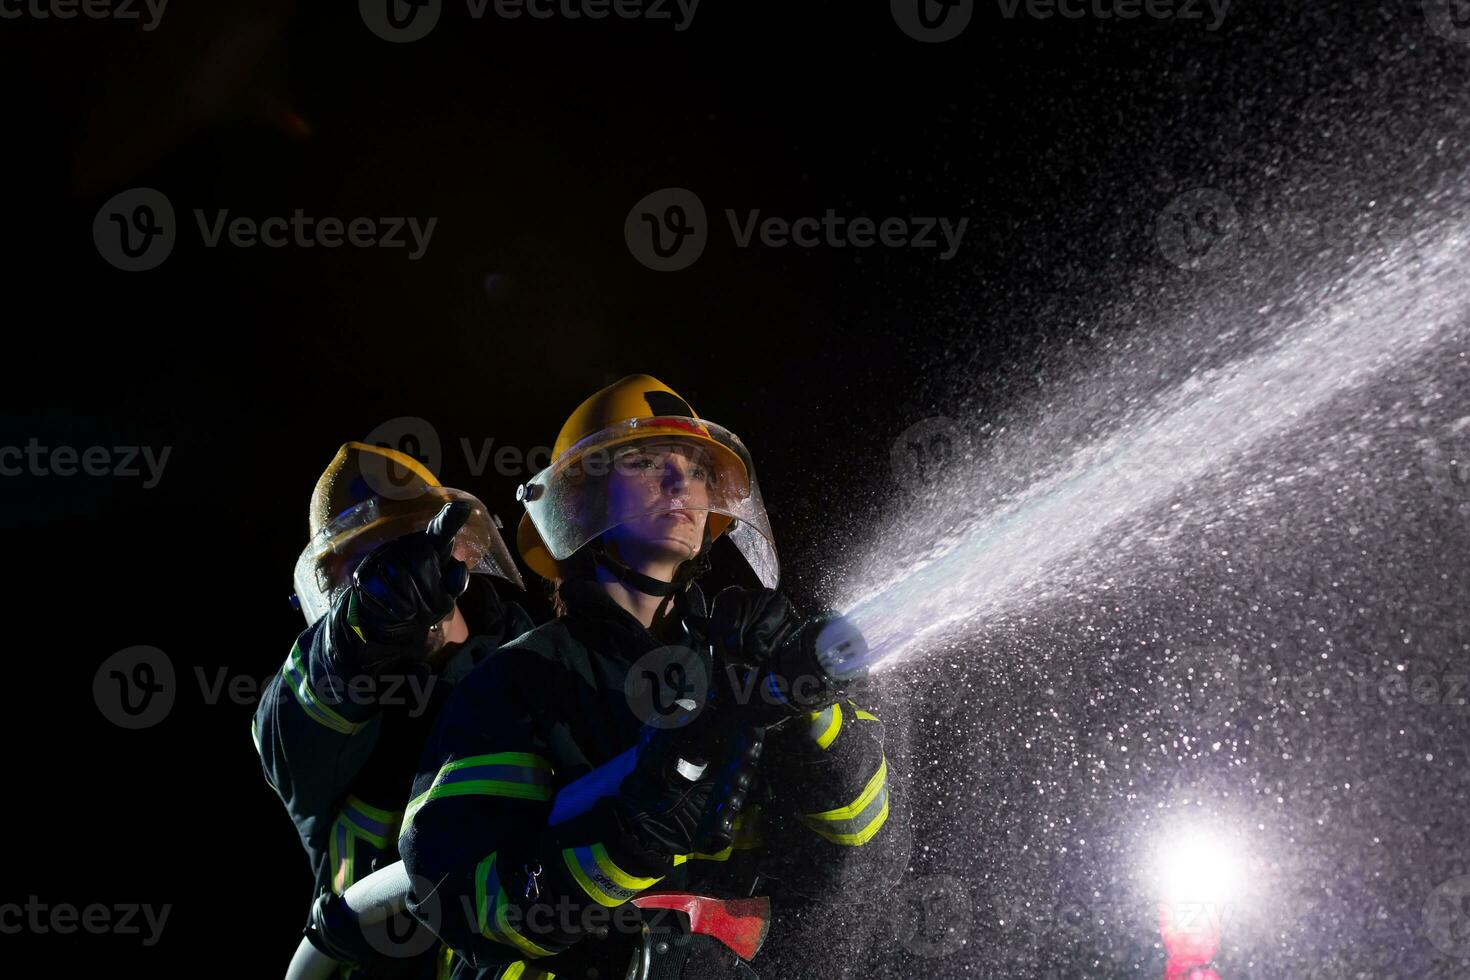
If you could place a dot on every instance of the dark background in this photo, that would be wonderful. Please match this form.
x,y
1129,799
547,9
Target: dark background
x,y
529,141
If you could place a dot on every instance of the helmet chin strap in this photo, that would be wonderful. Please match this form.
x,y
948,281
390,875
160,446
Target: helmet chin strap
x,y
687,572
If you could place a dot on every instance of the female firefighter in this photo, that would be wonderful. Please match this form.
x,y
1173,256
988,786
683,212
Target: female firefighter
x,y
559,825
340,727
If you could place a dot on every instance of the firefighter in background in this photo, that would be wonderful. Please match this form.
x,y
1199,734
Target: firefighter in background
x,y
622,523
340,728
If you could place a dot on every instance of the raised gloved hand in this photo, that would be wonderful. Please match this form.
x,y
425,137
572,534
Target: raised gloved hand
x,y
685,790
407,586
777,665
748,625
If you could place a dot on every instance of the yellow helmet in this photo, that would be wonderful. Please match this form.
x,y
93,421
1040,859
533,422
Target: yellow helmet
x,y
639,407
369,495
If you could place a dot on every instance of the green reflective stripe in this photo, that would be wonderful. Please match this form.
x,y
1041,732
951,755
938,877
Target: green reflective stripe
x,y
865,715
255,737
825,725
490,912
603,881
296,678
520,776
855,824
356,821
525,760
521,970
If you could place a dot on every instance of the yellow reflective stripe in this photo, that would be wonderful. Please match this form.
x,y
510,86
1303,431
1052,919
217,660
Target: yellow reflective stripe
x,y
255,737
524,759
603,881
826,725
879,780
514,971
857,838
298,681
853,823
536,787
490,913
700,856
382,816
868,716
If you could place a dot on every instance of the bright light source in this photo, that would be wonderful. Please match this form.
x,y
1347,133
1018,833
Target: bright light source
x,y
1196,866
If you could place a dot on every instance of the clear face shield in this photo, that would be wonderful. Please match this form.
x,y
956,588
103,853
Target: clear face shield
x,y
671,479
326,565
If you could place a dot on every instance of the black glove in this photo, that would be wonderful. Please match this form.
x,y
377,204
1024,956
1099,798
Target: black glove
x,y
407,586
769,660
685,790
333,930
748,625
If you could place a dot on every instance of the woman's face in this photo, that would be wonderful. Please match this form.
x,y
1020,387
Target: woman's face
x,y
658,496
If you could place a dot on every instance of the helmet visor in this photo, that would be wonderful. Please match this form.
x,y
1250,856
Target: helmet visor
x,y
326,565
672,477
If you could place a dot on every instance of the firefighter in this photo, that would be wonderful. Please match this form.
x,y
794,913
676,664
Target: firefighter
x,y
523,884
340,727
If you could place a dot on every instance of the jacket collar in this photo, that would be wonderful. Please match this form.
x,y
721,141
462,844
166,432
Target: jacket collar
x,y
603,625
